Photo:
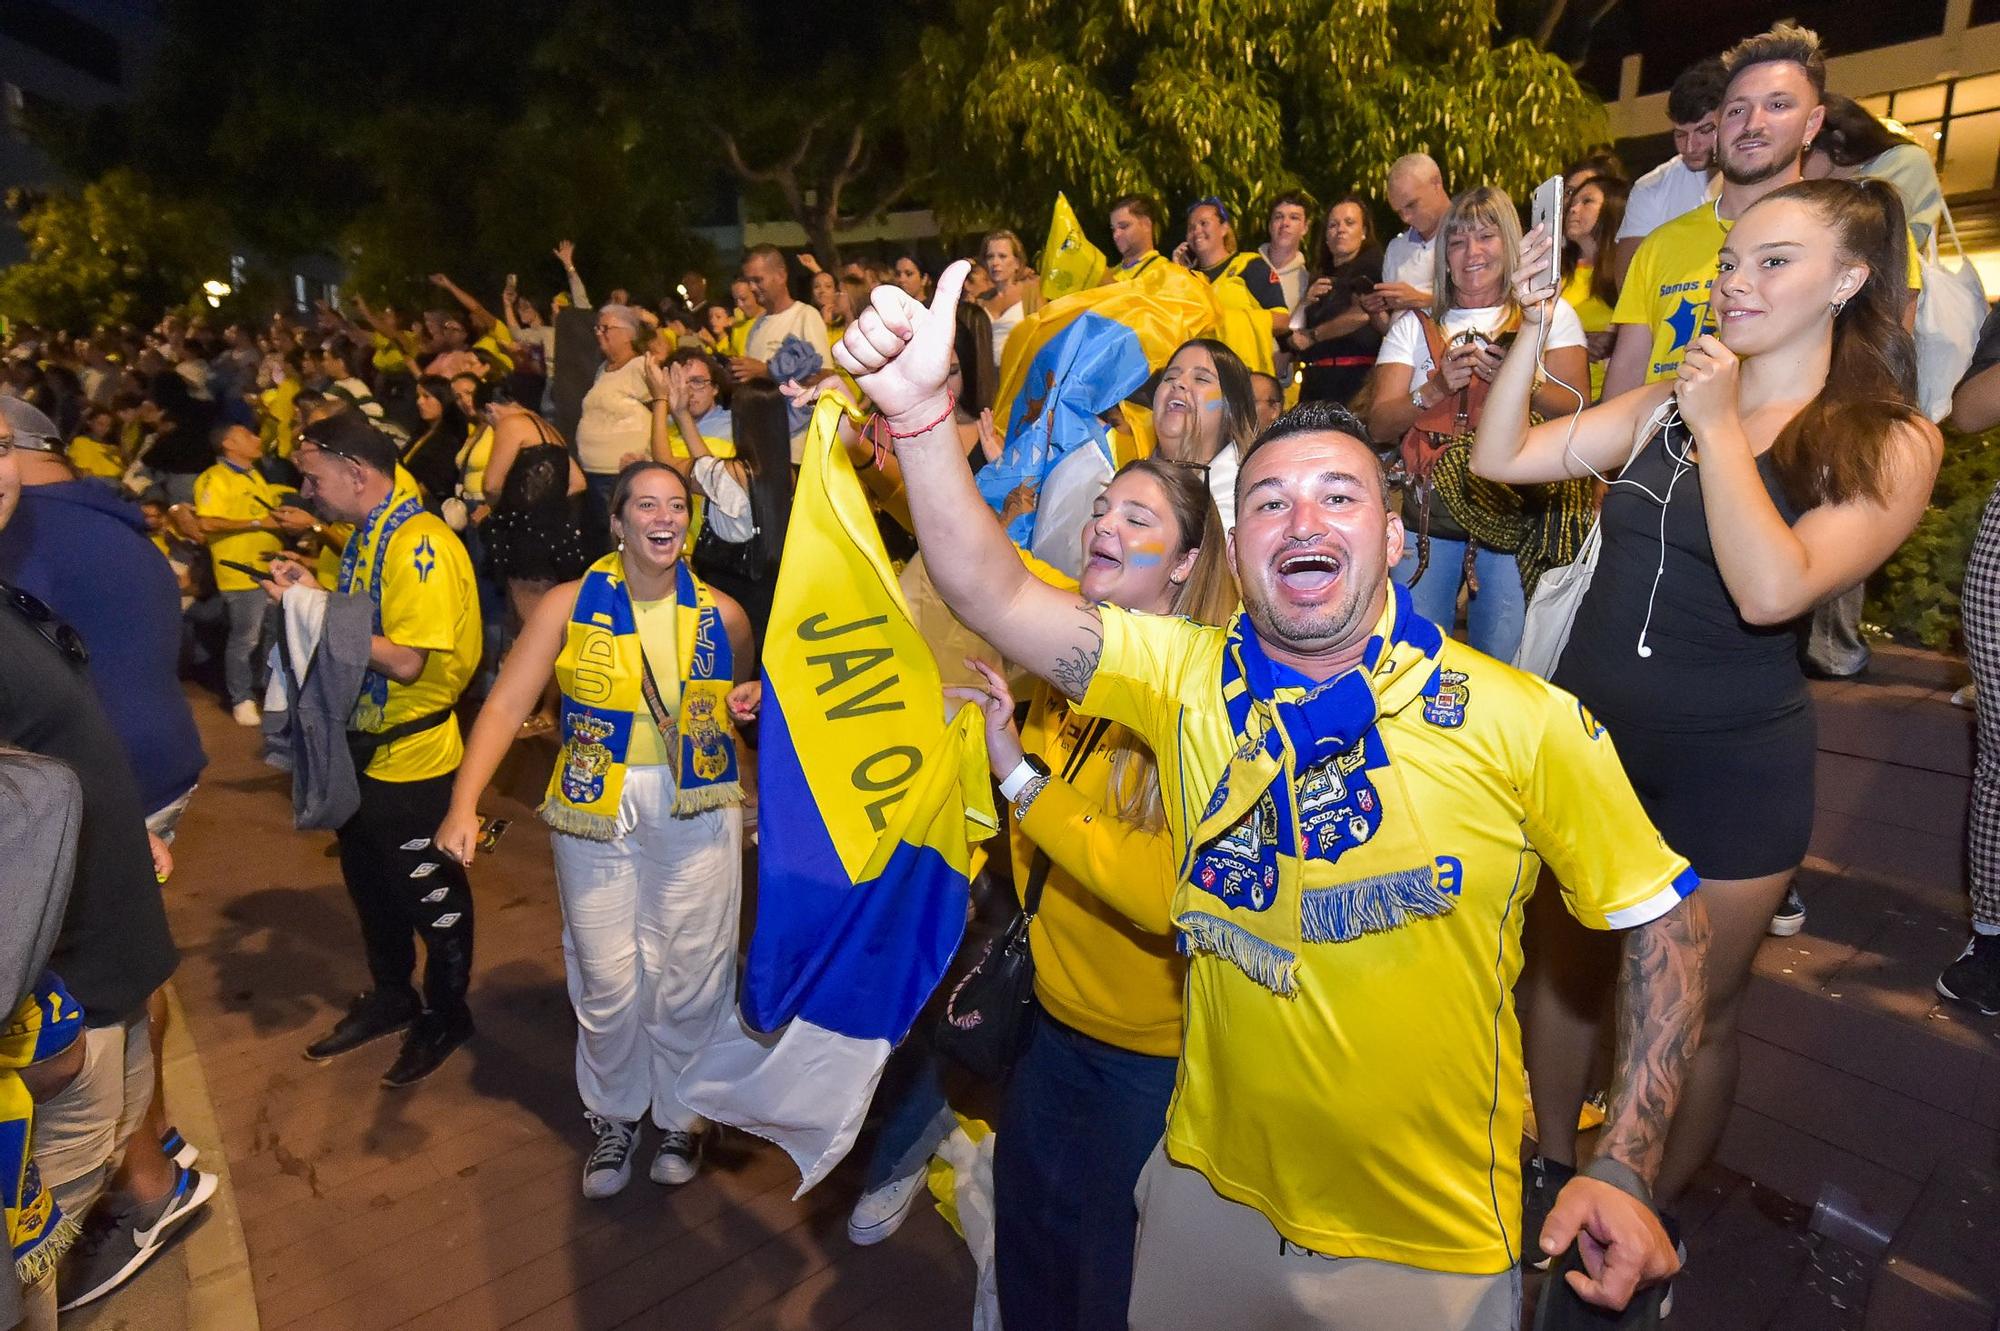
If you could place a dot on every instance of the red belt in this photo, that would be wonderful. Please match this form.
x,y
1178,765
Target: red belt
x,y
1343,362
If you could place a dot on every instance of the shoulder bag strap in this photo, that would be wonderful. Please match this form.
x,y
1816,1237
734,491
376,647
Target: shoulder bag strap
x,y
1038,871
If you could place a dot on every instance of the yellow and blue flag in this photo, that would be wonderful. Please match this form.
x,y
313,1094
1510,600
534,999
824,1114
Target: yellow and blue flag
x,y
1070,263
872,801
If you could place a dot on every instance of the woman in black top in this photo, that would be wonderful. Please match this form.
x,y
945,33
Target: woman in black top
x,y
1784,464
1336,344
432,457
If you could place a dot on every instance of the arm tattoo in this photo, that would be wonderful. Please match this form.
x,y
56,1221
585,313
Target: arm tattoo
x,y
1662,992
1073,671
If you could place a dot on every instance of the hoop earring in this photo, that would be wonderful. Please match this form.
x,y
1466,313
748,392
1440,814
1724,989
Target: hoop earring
x,y
1838,306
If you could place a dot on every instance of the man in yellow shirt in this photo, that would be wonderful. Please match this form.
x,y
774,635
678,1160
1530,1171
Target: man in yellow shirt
x,y
1360,807
405,739
242,517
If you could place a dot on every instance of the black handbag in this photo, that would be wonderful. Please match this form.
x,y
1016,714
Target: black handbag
x,y
989,1013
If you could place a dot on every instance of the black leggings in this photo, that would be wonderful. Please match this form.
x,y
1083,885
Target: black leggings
x,y
403,888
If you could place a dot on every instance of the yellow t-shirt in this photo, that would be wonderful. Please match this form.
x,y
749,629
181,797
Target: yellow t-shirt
x,y
659,641
1592,313
1120,272
1095,970
472,459
1377,1113
94,457
1667,286
242,496
429,601
280,403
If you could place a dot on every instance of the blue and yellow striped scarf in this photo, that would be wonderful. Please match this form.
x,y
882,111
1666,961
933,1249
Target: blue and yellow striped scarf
x,y
601,675
1310,836
45,1023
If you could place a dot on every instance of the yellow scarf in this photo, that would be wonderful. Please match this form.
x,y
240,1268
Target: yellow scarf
x,y
602,675
47,1022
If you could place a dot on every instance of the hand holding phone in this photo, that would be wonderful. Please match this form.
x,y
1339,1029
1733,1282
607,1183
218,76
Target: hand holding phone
x,y
1546,215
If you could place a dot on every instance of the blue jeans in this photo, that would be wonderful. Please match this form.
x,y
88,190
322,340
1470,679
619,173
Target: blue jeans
x,y
1497,610
916,1117
248,613
1079,1119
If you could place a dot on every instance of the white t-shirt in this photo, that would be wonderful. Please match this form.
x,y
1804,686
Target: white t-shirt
x,y
798,320
617,418
728,502
1412,259
1661,195
1405,344
1222,484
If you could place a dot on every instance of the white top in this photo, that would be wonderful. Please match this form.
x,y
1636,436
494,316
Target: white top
x,y
617,418
1412,259
1404,343
1222,484
1004,324
799,320
728,502
1293,278
1661,195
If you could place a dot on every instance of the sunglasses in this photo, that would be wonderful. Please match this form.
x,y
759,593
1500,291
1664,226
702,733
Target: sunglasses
x,y
58,634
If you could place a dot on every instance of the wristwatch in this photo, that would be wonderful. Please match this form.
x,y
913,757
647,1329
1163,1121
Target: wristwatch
x,y
1024,771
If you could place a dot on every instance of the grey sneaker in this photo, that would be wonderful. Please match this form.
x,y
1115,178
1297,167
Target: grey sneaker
x,y
609,1167
679,1158
114,1247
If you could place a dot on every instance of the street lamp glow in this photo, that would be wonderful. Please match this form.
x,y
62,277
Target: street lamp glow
x,y
216,289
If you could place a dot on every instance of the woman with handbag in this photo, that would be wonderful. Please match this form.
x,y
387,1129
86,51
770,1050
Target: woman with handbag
x,y
749,496
1785,463
1432,378
643,803
1088,1096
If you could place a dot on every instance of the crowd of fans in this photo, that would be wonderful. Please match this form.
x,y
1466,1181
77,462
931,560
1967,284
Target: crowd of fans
x,y
1745,306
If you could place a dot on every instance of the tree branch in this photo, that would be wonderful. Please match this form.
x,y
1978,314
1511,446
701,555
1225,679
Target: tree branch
x,y
1545,30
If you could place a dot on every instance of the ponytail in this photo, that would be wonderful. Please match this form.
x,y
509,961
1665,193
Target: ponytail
x,y
1837,448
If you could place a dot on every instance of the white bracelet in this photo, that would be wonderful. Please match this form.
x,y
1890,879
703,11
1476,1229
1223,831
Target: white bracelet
x,y
1012,784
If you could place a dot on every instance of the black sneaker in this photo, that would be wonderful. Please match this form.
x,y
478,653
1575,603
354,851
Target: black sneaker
x,y
115,1246
430,1042
1789,917
369,1017
609,1167
678,1159
1540,1183
1974,979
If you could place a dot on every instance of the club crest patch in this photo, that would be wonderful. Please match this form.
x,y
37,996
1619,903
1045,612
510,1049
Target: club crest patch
x,y
1446,708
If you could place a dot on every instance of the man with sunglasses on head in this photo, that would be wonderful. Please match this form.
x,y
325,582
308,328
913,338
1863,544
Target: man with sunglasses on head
x,y
405,740
113,951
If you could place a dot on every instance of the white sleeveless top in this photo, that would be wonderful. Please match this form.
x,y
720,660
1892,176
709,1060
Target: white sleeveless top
x,y
1004,324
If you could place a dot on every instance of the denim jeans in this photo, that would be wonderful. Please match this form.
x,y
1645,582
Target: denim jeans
x,y
1079,1119
916,1118
249,612
1497,610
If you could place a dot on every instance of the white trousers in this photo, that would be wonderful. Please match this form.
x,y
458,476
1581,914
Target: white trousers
x,y
649,943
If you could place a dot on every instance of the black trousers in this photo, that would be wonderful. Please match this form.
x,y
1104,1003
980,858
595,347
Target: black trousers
x,y
404,889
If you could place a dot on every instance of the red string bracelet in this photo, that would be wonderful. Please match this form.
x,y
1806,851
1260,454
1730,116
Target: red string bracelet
x,y
950,405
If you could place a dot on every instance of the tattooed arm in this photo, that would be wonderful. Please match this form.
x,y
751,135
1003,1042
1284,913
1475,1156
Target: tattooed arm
x,y
1661,993
899,352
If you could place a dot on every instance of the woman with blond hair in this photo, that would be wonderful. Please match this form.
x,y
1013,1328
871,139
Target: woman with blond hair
x,y
1017,290
1431,380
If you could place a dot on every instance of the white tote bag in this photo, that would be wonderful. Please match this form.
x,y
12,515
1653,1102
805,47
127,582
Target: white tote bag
x,y
1950,309
1553,608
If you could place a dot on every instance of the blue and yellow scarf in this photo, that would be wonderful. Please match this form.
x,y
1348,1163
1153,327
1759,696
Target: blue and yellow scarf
x,y
1310,837
47,1022
368,548
602,675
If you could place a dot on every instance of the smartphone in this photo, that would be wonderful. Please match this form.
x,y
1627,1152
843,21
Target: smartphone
x,y
260,574
1547,212
490,833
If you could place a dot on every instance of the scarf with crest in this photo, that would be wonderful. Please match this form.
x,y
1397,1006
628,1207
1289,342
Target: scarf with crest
x,y
605,678
1310,835
362,567
45,1023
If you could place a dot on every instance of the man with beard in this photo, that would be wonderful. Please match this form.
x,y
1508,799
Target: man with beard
x,y
1769,116
1358,806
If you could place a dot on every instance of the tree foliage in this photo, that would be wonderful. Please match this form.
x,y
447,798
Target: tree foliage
x,y
111,251
1241,99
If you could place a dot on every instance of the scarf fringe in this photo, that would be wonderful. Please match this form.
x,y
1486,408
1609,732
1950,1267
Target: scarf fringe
x,y
1343,913
569,819
701,799
1265,962
48,1250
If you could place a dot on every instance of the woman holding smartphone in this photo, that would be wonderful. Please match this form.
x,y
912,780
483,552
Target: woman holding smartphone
x,y
1783,464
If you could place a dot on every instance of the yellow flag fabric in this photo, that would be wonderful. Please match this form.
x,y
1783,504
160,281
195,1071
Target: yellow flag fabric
x,y
1070,263
1236,319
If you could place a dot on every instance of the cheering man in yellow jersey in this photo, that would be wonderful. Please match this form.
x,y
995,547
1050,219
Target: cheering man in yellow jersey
x,y
404,738
1359,807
